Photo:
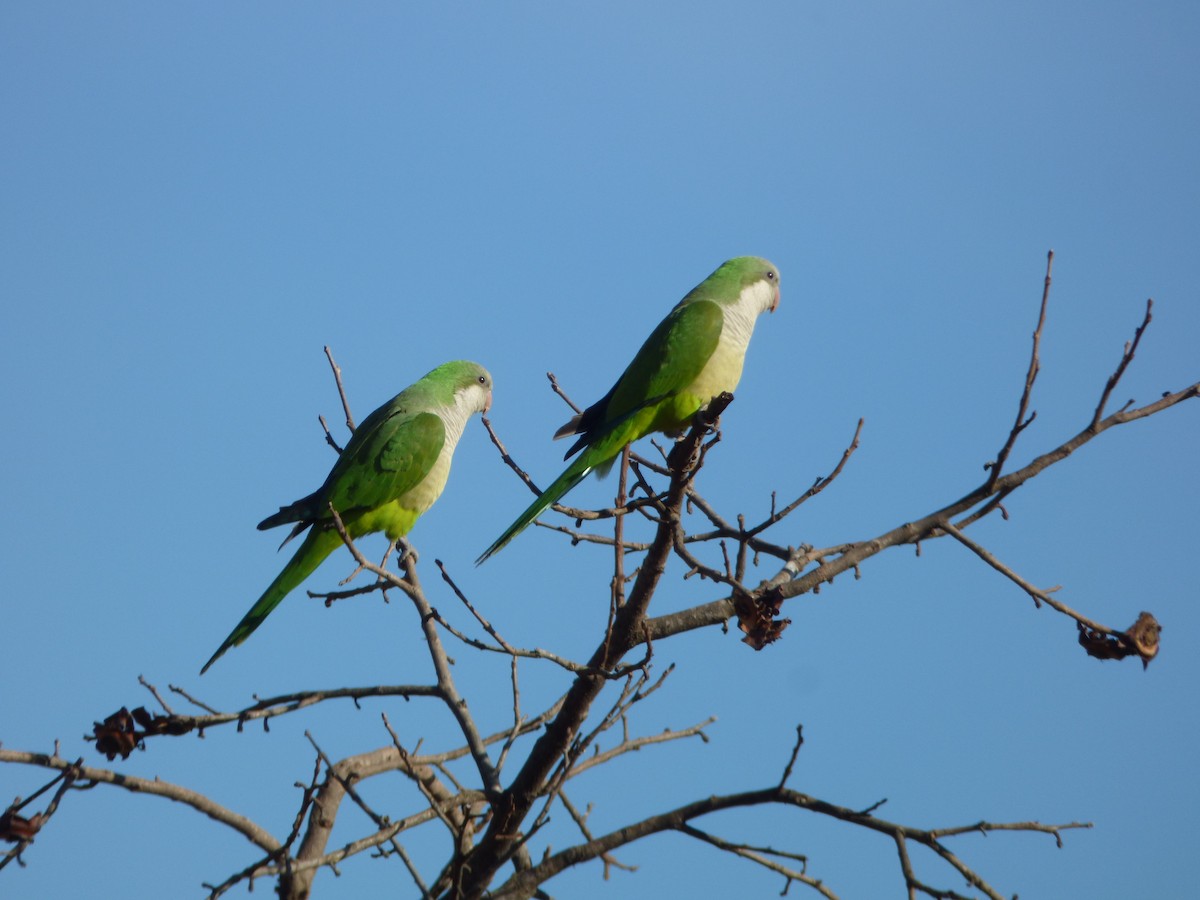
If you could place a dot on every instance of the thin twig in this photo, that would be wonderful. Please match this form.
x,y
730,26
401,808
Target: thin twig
x,y
337,376
554,386
1039,596
1126,359
760,856
819,485
787,770
1021,423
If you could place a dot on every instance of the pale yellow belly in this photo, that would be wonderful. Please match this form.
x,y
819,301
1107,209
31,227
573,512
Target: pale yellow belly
x,y
396,519
722,373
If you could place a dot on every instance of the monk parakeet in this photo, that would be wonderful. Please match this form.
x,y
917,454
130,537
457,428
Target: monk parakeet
x,y
693,355
392,470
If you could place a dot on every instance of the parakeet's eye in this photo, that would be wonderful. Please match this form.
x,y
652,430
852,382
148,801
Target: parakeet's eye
x,y
483,379
770,275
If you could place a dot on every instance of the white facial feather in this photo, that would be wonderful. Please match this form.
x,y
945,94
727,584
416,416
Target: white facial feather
x,y
753,301
467,402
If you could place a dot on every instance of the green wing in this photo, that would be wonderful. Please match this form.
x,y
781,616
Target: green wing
x,y
391,459
673,355
670,359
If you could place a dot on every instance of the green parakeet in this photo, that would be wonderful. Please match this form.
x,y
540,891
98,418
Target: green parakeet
x,y
693,355
391,471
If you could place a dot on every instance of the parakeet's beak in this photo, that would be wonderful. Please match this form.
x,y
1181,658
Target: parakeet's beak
x,y
774,303
487,403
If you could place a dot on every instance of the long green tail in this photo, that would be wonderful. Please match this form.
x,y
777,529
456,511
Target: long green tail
x,y
574,474
318,544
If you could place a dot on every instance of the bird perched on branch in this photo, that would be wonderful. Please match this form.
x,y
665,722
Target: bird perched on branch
x,y
693,355
392,470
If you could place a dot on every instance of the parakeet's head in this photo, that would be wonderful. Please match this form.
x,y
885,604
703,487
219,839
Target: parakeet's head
x,y
467,383
753,272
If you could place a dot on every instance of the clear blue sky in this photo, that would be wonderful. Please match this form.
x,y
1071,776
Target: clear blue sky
x,y
195,198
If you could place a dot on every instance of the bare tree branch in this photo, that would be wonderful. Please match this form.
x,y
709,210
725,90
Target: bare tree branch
x,y
523,884
157,787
